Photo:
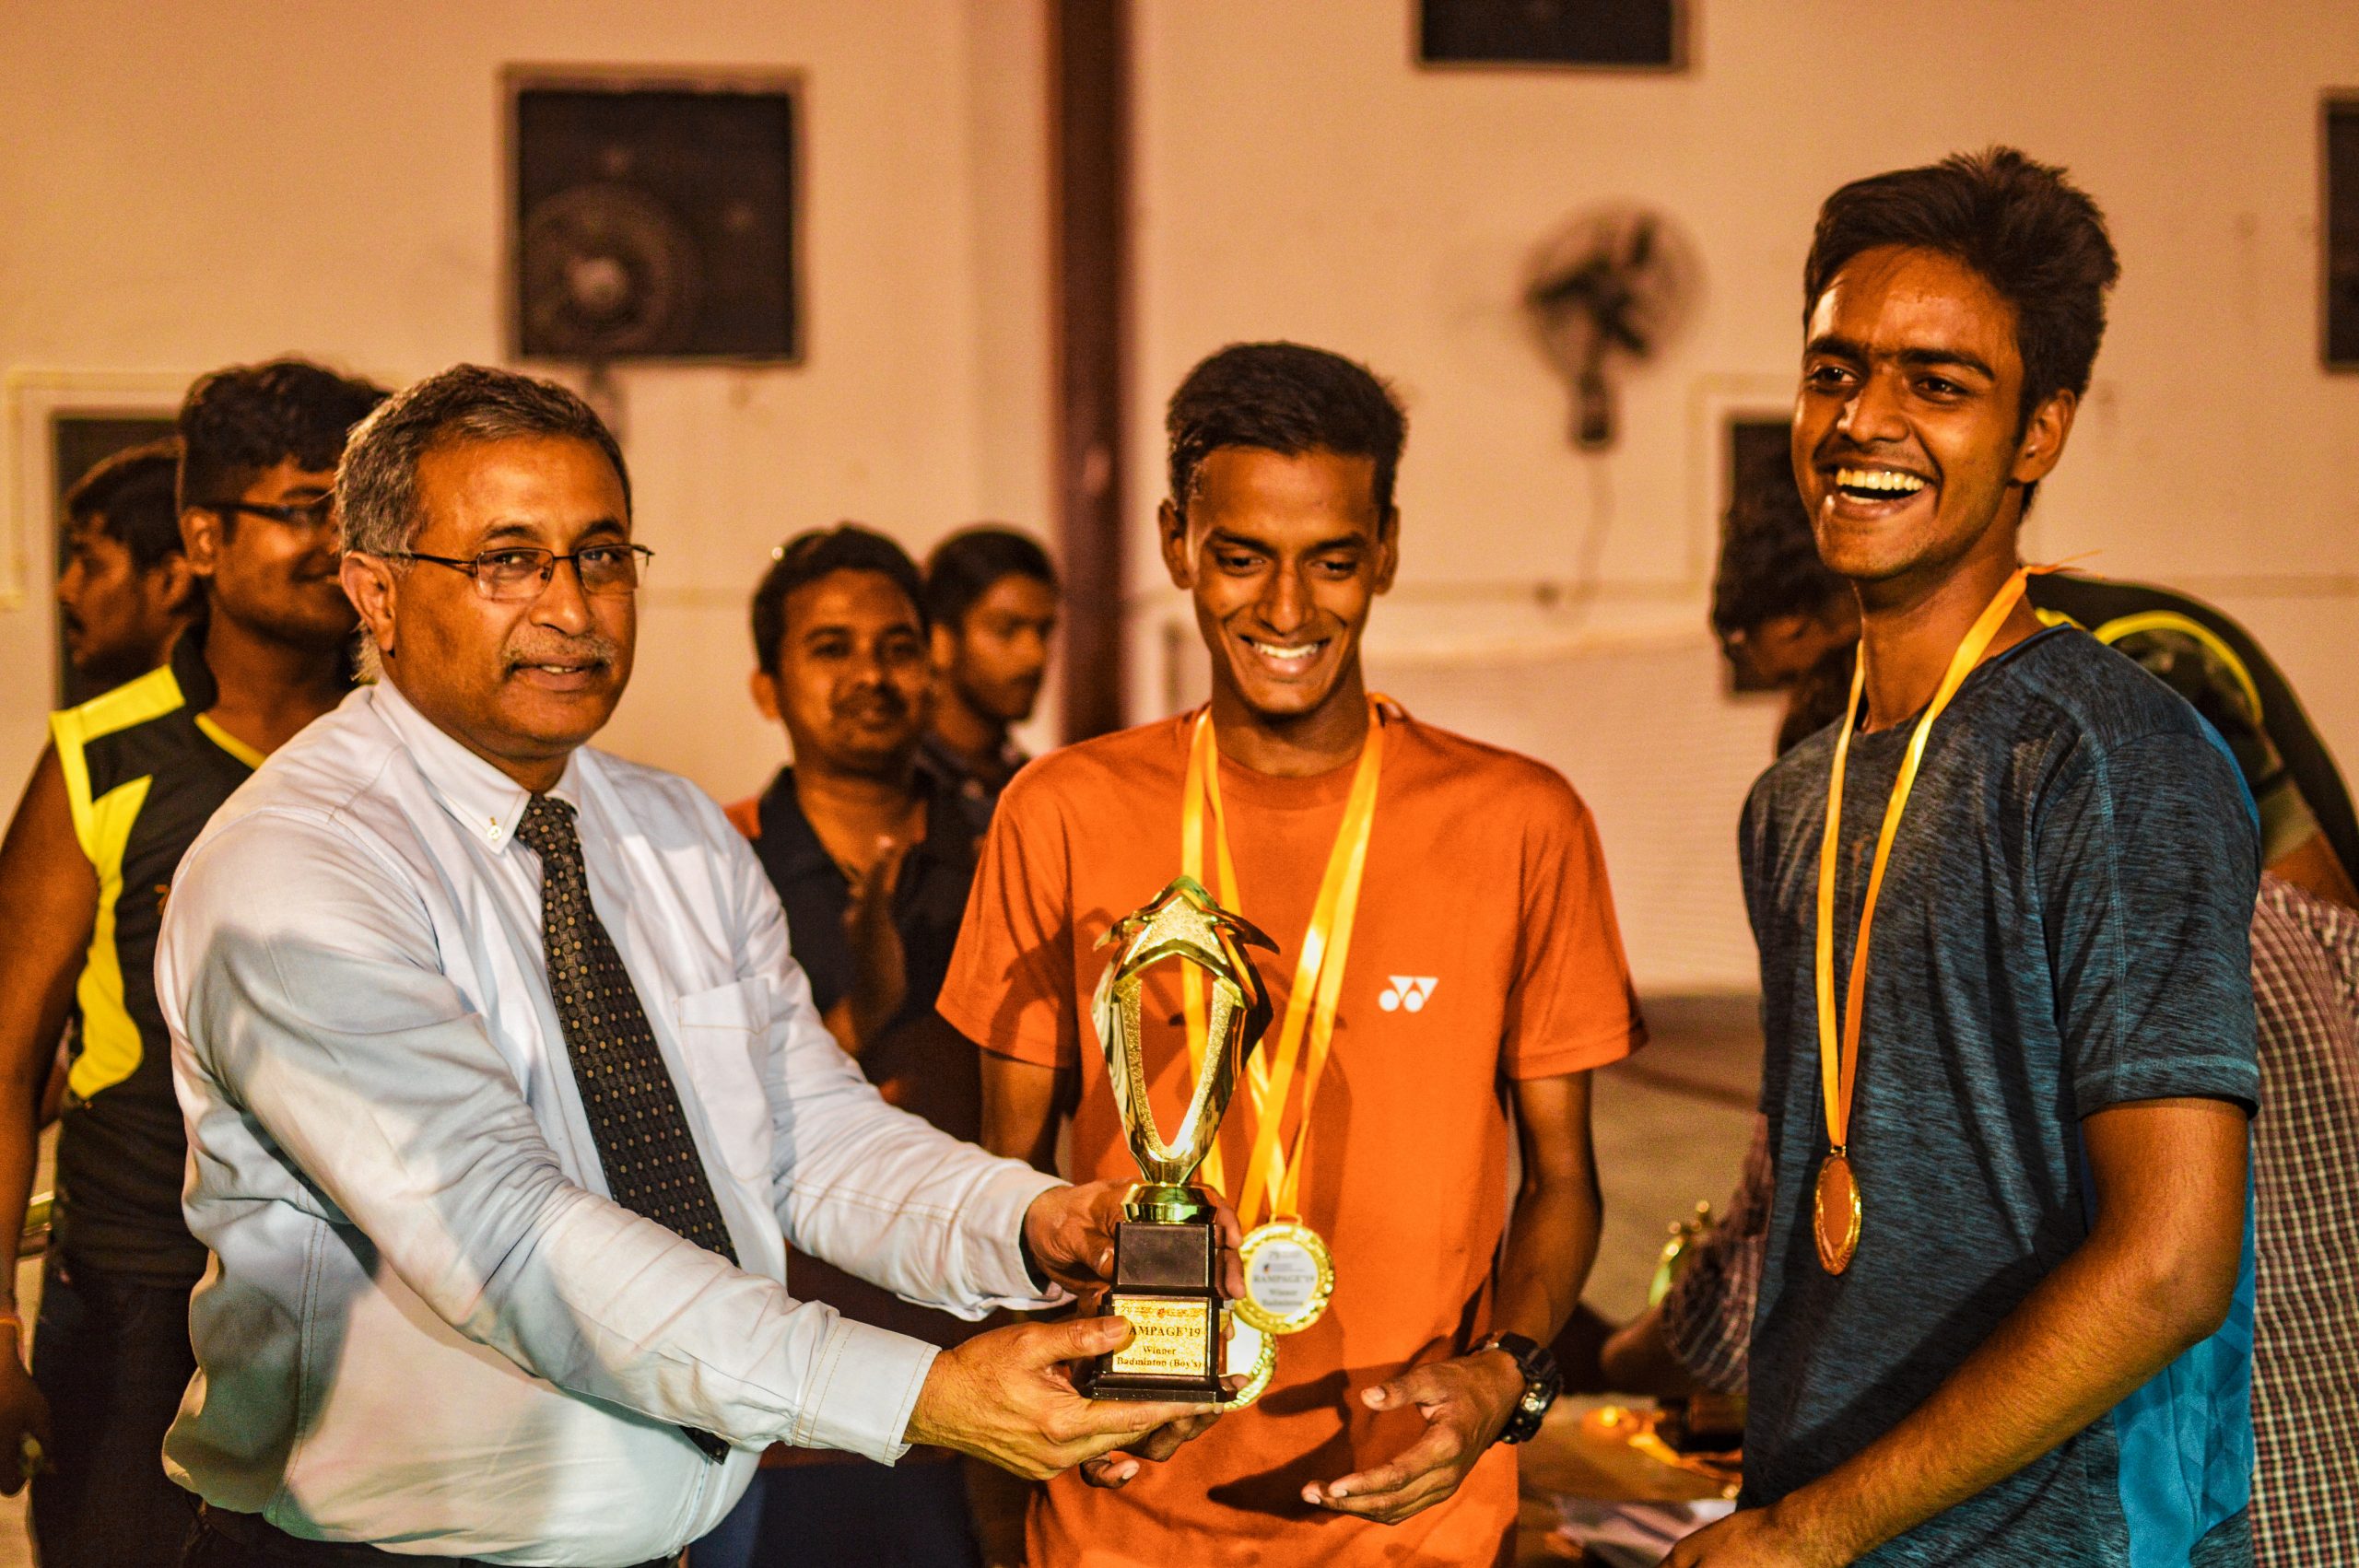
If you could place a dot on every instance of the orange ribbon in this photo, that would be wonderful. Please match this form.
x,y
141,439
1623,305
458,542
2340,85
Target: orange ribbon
x,y
1272,1177
1839,1062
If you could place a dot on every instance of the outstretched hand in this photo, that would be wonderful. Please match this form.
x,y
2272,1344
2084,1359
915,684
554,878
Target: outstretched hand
x,y
1466,1403
1008,1397
1071,1230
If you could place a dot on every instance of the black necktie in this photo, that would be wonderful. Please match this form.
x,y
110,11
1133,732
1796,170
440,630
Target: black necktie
x,y
642,1135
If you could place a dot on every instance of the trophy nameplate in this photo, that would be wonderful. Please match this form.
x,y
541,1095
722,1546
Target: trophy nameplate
x,y
1167,1251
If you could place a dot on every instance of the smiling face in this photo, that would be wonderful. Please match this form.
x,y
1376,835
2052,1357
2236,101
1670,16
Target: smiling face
x,y
1285,556
522,683
853,676
1909,443
276,579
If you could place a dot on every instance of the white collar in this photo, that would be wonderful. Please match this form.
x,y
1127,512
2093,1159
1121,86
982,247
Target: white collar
x,y
480,798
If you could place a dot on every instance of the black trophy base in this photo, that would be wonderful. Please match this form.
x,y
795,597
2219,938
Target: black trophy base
x,y
1163,1283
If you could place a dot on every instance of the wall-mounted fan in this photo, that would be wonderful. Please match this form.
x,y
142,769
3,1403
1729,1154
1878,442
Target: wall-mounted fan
x,y
654,218
607,271
1609,290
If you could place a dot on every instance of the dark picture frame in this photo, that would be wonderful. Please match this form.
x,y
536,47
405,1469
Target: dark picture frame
x,y
2338,231
695,174
1597,35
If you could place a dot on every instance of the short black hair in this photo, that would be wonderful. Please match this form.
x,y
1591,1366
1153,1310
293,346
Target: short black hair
x,y
1287,398
2034,236
970,563
376,483
129,494
807,557
237,422
1769,563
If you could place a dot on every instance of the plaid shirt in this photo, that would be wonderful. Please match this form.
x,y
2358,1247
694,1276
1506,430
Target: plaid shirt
x,y
2306,1188
2306,1224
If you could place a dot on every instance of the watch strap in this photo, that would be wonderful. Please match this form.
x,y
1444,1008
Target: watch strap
x,y
1541,1383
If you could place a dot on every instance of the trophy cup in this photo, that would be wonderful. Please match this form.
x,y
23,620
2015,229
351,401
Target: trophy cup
x,y
1166,1252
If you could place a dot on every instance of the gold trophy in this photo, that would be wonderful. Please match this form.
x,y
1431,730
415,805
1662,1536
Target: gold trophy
x,y
1166,1252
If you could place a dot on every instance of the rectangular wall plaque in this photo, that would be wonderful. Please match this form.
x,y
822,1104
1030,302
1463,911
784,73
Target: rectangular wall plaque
x,y
2340,234
1613,34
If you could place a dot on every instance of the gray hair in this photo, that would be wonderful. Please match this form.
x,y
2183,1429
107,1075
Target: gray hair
x,y
376,485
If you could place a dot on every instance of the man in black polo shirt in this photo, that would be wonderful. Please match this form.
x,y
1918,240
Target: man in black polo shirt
x,y
872,857
129,779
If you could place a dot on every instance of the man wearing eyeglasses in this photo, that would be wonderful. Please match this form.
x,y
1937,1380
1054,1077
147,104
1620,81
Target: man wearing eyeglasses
x,y
128,782
506,1098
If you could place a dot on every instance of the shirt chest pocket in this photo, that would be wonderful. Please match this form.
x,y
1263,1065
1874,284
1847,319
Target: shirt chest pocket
x,y
720,1030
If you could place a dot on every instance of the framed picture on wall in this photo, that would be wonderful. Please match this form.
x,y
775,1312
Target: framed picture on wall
x,y
1626,35
2339,233
654,216
60,425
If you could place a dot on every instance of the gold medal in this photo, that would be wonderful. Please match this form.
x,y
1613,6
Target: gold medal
x,y
1834,1204
1289,1274
1835,1214
1252,1356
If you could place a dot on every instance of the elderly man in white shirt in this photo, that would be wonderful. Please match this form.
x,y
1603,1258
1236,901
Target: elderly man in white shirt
x,y
505,1095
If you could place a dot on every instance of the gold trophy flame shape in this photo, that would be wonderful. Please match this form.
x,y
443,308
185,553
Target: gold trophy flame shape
x,y
1167,1251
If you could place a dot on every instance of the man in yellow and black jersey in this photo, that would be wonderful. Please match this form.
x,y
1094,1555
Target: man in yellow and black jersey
x,y
129,779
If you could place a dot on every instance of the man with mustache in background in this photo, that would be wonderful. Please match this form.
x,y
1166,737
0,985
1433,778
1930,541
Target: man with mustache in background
x,y
124,590
991,595
872,857
128,782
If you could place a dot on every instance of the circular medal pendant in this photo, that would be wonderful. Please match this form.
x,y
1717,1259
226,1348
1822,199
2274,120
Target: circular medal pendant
x,y
1289,1274
1252,1356
1834,1213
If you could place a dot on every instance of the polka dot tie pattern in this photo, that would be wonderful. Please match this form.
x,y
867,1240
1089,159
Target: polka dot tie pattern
x,y
642,1134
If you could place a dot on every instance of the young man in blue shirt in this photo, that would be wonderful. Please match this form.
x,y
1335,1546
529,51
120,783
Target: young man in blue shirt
x,y
2006,1309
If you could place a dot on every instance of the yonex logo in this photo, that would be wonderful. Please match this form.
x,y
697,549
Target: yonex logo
x,y
1409,991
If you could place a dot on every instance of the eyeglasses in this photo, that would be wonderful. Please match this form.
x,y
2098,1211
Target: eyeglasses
x,y
514,575
314,513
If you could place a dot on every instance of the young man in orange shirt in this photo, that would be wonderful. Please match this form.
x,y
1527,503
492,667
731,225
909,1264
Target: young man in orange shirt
x,y
1479,964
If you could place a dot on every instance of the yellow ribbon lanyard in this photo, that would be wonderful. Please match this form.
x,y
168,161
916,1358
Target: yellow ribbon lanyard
x,y
1273,1179
1838,1069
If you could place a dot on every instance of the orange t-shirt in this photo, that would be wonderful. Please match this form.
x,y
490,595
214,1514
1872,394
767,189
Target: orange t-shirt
x,y
1484,950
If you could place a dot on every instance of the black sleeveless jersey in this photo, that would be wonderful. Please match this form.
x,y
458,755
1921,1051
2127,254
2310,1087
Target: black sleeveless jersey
x,y
144,771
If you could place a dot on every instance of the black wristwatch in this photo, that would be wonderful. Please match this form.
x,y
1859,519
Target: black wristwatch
x,y
1541,1384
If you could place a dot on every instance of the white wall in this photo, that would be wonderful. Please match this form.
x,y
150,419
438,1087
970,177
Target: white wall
x,y
185,186
1299,176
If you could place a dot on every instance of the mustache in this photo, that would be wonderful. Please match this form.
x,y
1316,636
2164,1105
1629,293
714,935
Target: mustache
x,y
877,702
547,647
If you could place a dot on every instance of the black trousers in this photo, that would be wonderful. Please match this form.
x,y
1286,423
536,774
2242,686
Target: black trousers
x,y
223,1539
112,1358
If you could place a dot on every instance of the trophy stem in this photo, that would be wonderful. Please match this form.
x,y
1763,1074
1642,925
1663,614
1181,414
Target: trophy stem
x,y
1169,1204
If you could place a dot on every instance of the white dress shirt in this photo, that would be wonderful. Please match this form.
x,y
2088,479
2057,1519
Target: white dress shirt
x,y
426,1326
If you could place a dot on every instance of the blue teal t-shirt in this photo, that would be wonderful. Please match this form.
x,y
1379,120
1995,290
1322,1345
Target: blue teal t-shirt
x,y
2063,927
